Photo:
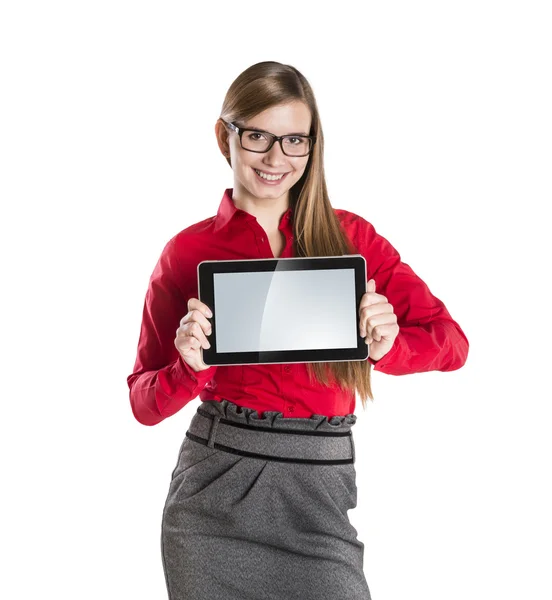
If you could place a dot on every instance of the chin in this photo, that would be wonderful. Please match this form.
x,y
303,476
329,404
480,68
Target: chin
x,y
272,193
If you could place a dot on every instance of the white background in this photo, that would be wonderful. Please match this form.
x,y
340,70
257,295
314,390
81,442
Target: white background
x,y
437,125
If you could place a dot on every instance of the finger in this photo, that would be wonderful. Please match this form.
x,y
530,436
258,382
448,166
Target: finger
x,y
190,336
374,314
195,329
387,330
195,303
380,319
185,343
369,299
196,315
372,298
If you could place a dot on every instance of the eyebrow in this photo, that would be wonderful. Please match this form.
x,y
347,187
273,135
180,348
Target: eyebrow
x,y
264,131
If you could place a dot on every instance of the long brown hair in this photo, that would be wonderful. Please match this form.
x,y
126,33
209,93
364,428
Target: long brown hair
x,y
316,228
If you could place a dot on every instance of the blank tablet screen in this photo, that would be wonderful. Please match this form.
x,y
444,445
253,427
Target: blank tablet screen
x,y
285,310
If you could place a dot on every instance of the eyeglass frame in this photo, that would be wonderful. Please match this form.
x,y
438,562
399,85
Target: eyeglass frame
x,y
275,138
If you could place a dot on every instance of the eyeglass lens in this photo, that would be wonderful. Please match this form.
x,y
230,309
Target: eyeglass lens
x,y
293,145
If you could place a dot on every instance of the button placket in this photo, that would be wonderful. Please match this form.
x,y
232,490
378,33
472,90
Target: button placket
x,y
290,407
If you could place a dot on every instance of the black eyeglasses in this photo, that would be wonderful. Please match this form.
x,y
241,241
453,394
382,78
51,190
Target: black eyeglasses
x,y
257,140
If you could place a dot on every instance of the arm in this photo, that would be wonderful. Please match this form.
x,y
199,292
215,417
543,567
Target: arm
x,y
162,382
429,339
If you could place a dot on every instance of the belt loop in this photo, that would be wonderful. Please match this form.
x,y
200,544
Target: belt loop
x,y
212,433
352,445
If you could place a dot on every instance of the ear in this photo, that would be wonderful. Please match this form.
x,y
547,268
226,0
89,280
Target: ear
x,y
222,137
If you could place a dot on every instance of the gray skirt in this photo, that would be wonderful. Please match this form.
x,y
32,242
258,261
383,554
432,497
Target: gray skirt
x,y
257,509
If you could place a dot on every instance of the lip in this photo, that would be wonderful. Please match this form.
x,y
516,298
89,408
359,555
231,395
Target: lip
x,y
278,182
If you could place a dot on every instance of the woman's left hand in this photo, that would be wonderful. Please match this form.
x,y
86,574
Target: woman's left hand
x,y
377,322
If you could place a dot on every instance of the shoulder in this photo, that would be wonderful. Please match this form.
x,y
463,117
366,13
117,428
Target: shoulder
x,y
371,244
186,242
200,228
357,227
193,233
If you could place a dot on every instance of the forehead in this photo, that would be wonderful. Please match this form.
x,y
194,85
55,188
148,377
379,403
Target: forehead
x,y
293,117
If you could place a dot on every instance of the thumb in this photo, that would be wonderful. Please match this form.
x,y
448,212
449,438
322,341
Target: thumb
x,y
371,287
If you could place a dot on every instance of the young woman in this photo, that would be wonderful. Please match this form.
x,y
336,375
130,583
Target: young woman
x,y
258,500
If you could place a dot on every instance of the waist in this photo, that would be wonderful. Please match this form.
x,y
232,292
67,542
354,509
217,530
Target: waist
x,y
305,440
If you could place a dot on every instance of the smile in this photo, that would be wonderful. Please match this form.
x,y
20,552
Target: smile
x,y
268,177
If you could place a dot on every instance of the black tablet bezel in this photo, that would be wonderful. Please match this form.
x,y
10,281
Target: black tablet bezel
x,y
205,274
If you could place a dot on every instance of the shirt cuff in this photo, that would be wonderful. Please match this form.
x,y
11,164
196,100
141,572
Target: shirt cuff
x,y
183,369
379,365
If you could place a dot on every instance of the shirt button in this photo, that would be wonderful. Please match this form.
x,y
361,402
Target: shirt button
x,y
290,409
262,239
287,369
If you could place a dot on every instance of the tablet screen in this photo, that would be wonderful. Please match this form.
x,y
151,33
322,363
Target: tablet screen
x,y
285,310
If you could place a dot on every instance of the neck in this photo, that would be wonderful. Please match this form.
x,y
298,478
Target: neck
x,y
268,211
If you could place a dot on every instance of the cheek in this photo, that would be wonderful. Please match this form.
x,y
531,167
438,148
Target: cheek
x,y
240,158
300,171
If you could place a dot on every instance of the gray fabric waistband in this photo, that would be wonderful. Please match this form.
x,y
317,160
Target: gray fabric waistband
x,y
316,447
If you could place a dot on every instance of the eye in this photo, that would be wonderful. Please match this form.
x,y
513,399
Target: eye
x,y
252,137
298,140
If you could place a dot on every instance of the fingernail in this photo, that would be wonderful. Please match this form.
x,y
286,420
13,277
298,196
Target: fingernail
x,y
208,313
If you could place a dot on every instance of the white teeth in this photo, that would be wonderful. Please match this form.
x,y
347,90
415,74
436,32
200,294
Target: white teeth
x,y
269,177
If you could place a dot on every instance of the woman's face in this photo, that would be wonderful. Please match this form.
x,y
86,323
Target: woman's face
x,y
285,119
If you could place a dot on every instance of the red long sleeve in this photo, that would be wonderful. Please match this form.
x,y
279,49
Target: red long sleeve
x,y
162,382
429,338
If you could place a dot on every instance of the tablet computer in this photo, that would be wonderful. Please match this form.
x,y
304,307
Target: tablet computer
x,y
283,310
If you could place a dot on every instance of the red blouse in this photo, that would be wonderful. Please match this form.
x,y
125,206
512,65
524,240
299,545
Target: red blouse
x,y
162,383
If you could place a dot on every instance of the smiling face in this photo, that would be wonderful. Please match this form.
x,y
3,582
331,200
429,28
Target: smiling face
x,y
250,189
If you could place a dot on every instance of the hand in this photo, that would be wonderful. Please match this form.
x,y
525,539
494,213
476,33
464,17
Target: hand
x,y
377,322
191,335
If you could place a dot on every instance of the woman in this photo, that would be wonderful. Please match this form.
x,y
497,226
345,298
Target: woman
x,y
248,514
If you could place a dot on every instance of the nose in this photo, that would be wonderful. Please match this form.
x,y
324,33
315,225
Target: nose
x,y
275,157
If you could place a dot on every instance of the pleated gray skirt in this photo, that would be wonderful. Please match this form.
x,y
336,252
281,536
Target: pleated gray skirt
x,y
257,509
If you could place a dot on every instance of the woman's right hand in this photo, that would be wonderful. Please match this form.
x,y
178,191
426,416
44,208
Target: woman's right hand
x,y
191,335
